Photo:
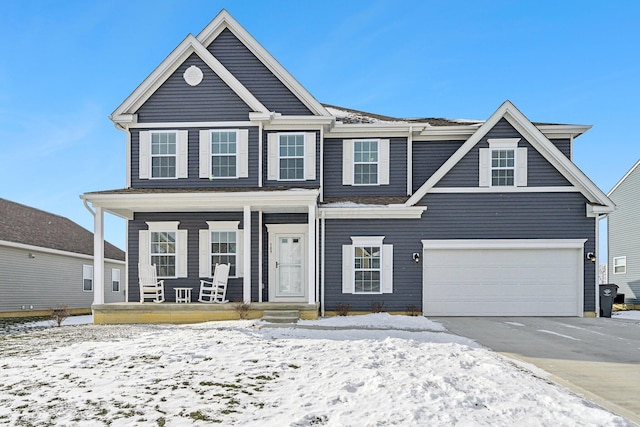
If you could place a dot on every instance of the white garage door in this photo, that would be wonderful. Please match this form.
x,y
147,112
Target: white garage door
x,y
503,277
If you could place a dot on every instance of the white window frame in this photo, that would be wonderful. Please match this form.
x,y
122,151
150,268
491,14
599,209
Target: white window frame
x,y
144,246
115,278
519,168
349,269
206,268
173,254
348,162
206,153
146,157
622,260
87,275
309,156
234,155
376,162
287,157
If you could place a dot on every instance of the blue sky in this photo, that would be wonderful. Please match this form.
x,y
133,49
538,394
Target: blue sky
x,y
65,66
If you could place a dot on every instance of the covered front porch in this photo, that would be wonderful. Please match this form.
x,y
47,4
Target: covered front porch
x,y
134,312
277,247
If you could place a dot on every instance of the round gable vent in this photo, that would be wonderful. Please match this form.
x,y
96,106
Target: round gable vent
x,y
193,76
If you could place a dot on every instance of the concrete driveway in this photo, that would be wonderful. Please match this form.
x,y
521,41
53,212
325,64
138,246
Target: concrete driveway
x,y
597,358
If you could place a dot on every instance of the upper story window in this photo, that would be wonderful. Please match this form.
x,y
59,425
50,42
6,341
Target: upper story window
x,y
620,265
503,164
163,154
224,153
365,162
291,156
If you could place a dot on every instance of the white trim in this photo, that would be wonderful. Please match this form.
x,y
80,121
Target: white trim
x,y
34,248
568,189
385,268
367,240
503,143
505,244
241,154
88,274
222,226
613,264
123,114
410,161
168,125
539,142
626,175
225,20
113,279
162,225
290,229
381,212
246,255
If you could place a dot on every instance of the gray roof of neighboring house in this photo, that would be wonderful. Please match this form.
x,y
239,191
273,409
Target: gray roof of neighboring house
x,y
30,226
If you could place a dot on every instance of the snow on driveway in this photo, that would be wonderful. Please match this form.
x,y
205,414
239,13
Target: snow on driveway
x,y
332,372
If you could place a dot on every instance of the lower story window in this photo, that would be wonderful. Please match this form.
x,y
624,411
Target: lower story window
x,y
163,253
115,280
367,268
620,265
87,278
224,250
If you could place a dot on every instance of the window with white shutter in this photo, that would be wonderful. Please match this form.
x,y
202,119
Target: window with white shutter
x,y
367,266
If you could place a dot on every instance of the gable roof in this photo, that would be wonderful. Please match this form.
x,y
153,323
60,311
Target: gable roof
x,y
537,139
30,226
124,113
633,168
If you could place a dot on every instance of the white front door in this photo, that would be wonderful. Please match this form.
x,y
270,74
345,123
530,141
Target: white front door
x,y
287,264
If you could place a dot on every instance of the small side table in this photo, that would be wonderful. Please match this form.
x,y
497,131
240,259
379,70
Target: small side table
x,y
183,295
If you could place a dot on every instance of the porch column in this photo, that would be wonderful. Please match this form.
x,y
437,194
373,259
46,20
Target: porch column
x,y
98,256
312,254
246,268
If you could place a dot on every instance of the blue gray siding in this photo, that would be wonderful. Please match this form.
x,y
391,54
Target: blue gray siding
x,y
428,156
624,237
193,222
194,164
253,75
540,172
176,101
458,216
333,172
564,145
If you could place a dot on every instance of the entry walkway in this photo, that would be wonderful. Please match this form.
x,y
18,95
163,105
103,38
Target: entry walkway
x,y
597,358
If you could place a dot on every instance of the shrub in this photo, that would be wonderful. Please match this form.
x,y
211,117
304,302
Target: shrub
x,y
413,310
343,309
60,313
377,307
241,308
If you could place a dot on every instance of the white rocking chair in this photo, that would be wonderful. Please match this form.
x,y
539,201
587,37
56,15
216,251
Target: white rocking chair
x,y
150,286
216,289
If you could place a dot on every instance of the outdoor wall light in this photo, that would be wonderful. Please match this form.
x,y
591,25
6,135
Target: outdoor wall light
x,y
32,256
591,256
416,257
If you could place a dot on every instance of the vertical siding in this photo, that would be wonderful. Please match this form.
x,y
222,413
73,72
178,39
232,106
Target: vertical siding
x,y
46,281
194,181
333,172
192,222
458,216
253,75
624,237
176,101
428,156
315,183
539,171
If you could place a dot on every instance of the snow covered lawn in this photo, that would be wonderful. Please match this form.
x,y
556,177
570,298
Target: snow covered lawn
x,y
374,370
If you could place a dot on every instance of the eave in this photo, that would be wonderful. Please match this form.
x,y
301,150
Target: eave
x,y
372,212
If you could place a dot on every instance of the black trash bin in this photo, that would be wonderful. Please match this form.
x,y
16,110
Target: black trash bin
x,y
608,293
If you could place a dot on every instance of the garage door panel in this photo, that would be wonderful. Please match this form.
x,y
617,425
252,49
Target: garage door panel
x,y
499,282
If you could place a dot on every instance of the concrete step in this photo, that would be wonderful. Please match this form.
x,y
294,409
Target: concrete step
x,y
281,316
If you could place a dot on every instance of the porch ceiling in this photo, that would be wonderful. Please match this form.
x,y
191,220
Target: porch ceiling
x,y
124,203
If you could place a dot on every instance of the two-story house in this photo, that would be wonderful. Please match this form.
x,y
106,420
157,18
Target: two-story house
x,y
623,238
231,160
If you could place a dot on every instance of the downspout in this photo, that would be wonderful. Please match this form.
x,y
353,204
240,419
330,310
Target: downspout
x,y
260,243
597,268
410,162
260,171
321,164
322,249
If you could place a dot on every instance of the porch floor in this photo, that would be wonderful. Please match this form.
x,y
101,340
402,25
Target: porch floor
x,y
149,312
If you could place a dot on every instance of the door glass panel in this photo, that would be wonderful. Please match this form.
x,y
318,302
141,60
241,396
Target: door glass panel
x,y
289,267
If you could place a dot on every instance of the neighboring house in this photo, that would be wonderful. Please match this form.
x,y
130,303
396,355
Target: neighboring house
x,y
47,260
623,236
231,160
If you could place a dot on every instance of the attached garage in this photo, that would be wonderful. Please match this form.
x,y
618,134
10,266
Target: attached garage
x,y
503,277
